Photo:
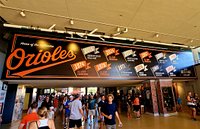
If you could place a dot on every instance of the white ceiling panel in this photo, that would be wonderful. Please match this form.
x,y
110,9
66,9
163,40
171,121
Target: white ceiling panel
x,y
175,20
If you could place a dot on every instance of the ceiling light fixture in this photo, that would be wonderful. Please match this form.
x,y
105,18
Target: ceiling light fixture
x,y
112,35
157,35
191,40
52,26
71,21
118,29
102,38
95,35
71,35
120,32
135,41
22,13
93,31
125,30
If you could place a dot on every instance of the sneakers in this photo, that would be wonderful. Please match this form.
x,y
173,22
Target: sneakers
x,y
138,118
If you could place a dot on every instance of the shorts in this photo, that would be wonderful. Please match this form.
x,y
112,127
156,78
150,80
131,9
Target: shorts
x,y
110,126
73,123
91,112
55,109
136,108
67,114
192,106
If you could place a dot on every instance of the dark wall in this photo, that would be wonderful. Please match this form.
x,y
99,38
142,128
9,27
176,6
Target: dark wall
x,y
29,90
3,46
4,37
9,103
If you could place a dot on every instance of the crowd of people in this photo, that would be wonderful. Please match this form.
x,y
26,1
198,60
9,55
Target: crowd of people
x,y
77,108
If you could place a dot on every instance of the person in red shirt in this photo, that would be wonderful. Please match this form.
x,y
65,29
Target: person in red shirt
x,y
29,117
55,105
136,106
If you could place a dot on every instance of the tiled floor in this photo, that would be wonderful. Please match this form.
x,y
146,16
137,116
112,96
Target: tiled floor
x,y
181,121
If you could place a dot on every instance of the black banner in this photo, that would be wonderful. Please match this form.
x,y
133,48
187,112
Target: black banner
x,y
43,57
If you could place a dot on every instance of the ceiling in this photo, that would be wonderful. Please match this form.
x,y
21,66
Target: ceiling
x,y
176,21
75,83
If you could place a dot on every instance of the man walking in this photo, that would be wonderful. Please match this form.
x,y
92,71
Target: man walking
x,y
109,112
76,113
101,106
91,108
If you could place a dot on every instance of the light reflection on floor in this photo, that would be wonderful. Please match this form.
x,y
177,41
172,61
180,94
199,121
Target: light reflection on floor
x,y
181,121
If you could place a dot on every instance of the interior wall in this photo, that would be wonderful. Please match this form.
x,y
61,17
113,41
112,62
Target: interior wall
x,y
197,82
184,87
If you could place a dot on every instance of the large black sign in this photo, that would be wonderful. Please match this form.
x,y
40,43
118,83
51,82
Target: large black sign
x,y
43,57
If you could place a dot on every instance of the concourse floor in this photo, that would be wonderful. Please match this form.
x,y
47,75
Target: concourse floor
x,y
180,121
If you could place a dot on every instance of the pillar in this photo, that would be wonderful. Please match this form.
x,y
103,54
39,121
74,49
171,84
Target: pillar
x,y
9,103
150,94
167,104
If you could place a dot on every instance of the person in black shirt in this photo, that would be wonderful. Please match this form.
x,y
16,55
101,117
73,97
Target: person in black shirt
x,y
46,103
109,112
101,106
129,106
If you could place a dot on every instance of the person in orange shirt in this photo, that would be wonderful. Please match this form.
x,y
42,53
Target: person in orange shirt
x,y
29,117
55,105
136,106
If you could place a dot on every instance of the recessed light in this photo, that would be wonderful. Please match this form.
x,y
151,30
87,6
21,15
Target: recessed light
x,y
22,13
118,29
156,35
71,21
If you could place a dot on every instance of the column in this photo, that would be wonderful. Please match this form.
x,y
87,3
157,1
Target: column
x,y
167,104
150,95
9,103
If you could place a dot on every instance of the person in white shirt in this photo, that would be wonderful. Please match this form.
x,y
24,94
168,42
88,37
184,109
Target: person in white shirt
x,y
76,113
51,113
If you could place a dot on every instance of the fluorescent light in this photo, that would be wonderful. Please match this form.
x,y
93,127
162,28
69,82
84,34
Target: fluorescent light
x,y
51,27
118,29
93,31
102,38
125,30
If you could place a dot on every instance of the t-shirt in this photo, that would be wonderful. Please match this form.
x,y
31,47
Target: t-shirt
x,y
129,102
91,104
46,104
29,118
136,101
55,103
102,104
67,106
110,109
50,114
179,101
74,108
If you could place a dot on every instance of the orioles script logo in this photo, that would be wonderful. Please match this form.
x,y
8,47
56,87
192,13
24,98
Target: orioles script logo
x,y
58,56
